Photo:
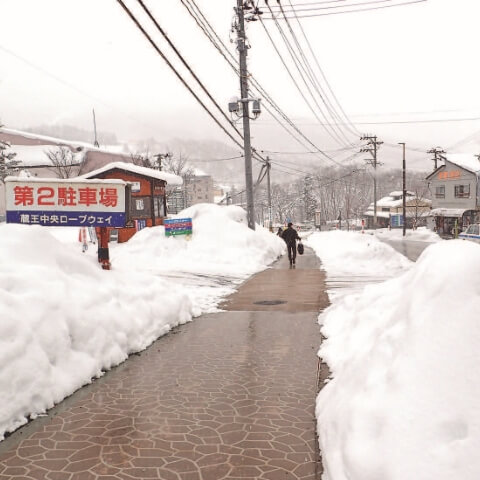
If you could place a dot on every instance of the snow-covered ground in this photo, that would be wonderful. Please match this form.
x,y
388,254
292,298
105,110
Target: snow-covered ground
x,y
352,260
404,394
64,320
421,234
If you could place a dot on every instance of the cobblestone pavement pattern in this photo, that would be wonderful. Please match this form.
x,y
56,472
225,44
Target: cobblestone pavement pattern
x,y
229,396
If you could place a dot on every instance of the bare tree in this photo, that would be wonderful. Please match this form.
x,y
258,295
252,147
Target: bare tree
x,y
142,160
178,165
63,162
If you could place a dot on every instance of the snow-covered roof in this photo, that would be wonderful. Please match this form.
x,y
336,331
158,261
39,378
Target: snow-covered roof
x,y
199,173
26,177
36,155
468,161
369,213
389,202
399,193
448,212
113,149
392,202
170,178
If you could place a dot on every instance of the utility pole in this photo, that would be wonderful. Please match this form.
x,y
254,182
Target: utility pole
x,y
404,194
160,157
437,152
242,50
372,147
269,195
95,141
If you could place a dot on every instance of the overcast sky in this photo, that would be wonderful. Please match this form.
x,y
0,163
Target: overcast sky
x,y
415,63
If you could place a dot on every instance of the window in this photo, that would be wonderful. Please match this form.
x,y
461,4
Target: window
x,y
385,209
440,191
462,191
140,207
158,207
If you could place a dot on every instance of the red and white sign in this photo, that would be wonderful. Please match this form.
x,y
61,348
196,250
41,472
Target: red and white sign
x,y
95,203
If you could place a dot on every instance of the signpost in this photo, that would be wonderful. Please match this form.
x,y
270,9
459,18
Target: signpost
x,y
396,220
178,226
82,203
66,203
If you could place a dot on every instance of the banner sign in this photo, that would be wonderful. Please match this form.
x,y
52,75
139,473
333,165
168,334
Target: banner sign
x,y
396,220
66,203
178,226
140,225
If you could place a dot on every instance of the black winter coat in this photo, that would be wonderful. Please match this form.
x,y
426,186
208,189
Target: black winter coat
x,y
290,235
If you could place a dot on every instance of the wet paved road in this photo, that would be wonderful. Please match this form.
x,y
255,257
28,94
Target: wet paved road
x,y
410,248
229,396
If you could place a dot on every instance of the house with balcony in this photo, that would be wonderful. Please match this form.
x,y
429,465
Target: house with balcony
x,y
455,189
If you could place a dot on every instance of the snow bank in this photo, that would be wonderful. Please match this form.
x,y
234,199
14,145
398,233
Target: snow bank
x,y
64,320
355,253
404,397
221,248
421,234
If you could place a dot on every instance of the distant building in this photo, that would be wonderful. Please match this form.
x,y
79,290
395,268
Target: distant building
x,y
417,209
176,200
455,189
199,189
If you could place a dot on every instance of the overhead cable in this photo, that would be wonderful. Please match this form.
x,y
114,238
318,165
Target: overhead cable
x,y
201,21
313,77
159,51
355,131
187,66
351,11
330,131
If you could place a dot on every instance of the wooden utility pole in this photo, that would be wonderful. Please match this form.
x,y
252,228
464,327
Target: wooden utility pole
x,y
242,51
372,147
437,153
95,141
269,195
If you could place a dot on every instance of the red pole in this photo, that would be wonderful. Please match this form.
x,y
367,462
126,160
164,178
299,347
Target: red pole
x,y
103,235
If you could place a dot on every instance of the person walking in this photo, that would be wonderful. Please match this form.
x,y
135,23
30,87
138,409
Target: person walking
x,y
290,235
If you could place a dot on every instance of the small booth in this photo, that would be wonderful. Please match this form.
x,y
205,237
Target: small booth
x,y
147,205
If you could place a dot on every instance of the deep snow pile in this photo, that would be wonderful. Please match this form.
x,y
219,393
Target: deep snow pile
x,y
65,321
221,253
355,253
404,397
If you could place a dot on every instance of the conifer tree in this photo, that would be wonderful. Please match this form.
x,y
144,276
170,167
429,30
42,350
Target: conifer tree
x,y
8,164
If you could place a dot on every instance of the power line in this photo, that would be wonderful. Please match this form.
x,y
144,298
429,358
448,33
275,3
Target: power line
x,y
159,51
205,26
299,67
214,159
351,11
314,8
313,78
71,86
187,66
321,71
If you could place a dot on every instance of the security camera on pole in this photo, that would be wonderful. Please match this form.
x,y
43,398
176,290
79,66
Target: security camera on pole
x,y
241,106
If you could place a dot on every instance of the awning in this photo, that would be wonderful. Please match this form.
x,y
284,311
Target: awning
x,y
448,212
